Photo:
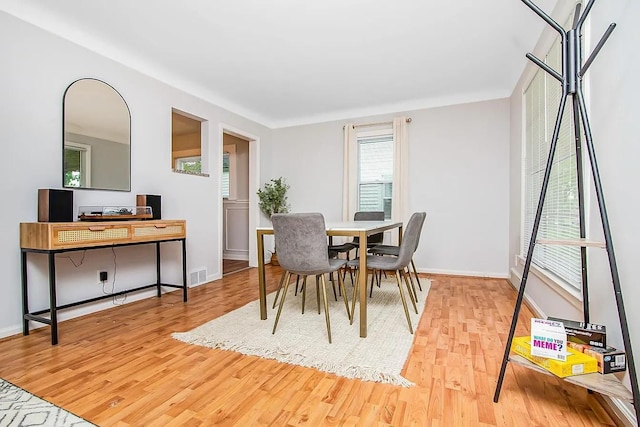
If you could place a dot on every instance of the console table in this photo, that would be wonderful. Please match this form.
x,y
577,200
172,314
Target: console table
x,y
52,238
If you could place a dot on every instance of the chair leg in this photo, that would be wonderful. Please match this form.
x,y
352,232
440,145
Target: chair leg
x,y
415,273
275,300
333,285
304,291
414,294
378,278
344,274
344,295
297,282
414,298
356,286
318,292
373,275
284,294
326,306
404,302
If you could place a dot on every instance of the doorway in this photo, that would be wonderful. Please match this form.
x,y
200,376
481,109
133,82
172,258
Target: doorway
x,y
235,201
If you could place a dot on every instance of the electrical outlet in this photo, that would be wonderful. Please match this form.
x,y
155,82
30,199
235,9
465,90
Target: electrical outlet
x,y
102,276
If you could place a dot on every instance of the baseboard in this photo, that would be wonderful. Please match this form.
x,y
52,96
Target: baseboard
x,y
535,308
619,410
90,308
213,277
10,331
464,273
236,256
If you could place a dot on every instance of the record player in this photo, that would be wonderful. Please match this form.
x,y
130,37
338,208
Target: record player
x,y
114,213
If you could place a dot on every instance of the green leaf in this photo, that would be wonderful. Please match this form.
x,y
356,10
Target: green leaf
x,y
273,197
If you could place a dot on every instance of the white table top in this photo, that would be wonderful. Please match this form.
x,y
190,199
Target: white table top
x,y
351,226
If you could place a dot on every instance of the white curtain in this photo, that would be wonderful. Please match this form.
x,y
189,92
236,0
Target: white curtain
x,y
350,181
400,195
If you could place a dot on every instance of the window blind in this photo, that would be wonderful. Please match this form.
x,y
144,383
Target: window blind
x,y
225,175
560,217
375,173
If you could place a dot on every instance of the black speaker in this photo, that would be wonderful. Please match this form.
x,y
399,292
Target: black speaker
x,y
55,205
152,201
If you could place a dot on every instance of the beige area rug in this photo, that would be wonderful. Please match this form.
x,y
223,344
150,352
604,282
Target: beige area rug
x,y
301,339
19,408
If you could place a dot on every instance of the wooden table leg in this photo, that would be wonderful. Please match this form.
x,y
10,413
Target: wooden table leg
x,y
262,286
363,283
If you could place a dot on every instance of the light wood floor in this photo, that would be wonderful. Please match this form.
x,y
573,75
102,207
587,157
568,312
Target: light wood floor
x,y
120,367
231,266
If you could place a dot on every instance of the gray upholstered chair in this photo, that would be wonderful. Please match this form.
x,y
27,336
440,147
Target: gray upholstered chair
x,y
374,239
347,247
301,239
394,250
397,264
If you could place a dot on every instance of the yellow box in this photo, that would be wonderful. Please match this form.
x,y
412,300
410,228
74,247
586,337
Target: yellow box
x,y
577,363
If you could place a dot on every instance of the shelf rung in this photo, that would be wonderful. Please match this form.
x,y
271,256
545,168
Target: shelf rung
x,y
604,384
571,242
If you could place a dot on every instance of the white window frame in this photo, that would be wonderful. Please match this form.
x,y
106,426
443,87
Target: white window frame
x,y
367,134
85,161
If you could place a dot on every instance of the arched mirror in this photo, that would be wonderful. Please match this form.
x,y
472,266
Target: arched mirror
x,y
96,134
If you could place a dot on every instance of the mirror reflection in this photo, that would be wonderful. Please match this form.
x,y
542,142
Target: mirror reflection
x,y
97,137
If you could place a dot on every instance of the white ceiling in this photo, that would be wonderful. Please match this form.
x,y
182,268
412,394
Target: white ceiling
x,y
289,62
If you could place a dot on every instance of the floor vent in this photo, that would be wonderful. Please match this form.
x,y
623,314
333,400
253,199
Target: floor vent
x,y
197,277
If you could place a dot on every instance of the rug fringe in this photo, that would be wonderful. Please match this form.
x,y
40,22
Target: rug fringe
x,y
280,355
380,358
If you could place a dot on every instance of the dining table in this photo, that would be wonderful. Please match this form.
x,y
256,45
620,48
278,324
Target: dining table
x,y
360,229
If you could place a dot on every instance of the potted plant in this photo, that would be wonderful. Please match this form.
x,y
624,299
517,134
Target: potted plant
x,y
273,199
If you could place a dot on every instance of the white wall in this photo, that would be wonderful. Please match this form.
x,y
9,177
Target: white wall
x,y
459,172
614,121
37,68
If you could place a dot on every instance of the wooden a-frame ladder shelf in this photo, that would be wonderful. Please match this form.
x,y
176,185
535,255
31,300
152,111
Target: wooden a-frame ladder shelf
x,y
573,71
607,384
572,242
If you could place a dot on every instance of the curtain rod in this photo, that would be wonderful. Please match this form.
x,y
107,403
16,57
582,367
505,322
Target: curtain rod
x,y
407,120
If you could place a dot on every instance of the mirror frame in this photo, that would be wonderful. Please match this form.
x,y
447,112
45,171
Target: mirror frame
x,y
64,132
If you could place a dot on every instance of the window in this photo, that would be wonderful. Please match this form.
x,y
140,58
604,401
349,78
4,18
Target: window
x,y
225,175
189,164
560,217
375,171
229,172
77,164
187,132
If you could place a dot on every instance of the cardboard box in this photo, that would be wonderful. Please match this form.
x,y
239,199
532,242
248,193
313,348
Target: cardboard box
x,y
609,359
548,339
584,333
577,363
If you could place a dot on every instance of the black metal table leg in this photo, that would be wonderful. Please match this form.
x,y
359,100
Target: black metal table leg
x,y
52,311
53,304
158,268
184,270
25,294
